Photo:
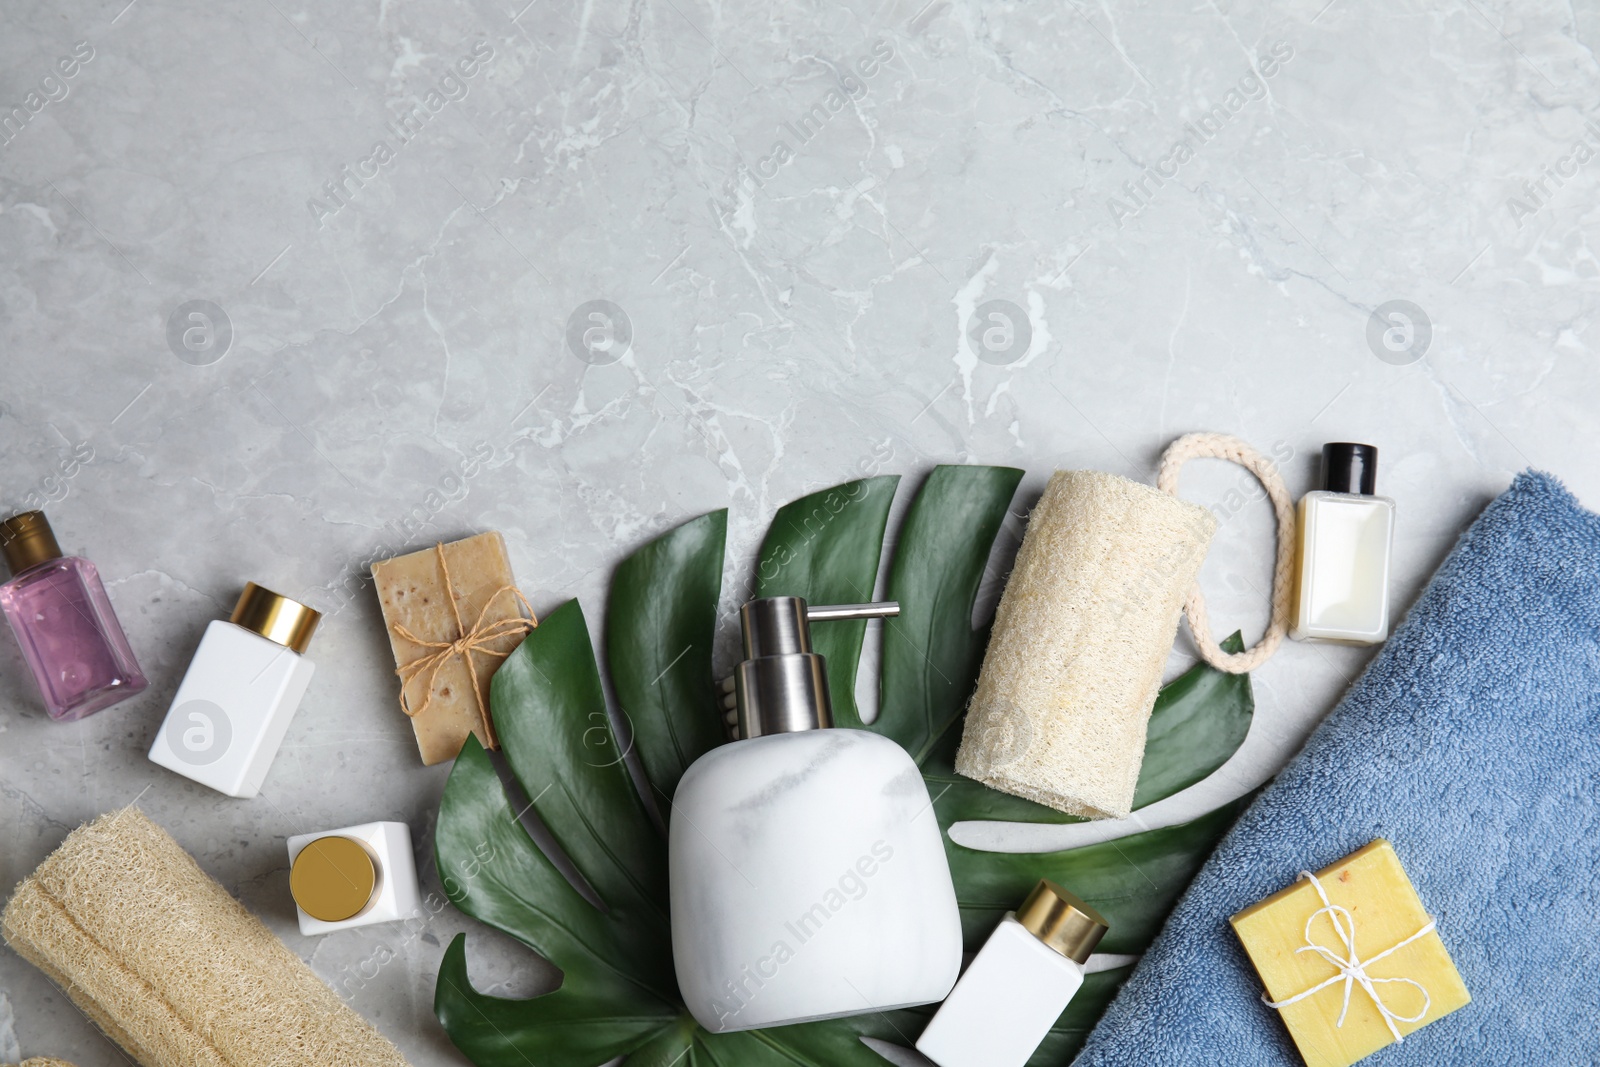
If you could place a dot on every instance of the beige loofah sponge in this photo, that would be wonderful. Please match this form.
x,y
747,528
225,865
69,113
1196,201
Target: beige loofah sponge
x,y
169,965
43,1061
1080,639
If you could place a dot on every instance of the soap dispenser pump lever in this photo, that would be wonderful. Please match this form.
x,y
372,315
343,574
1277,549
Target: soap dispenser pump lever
x,y
884,609
782,686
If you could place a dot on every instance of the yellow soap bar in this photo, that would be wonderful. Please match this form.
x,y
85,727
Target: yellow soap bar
x,y
413,594
1373,887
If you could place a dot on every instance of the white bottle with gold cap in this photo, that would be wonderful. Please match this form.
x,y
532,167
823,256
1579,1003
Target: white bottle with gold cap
x,y
1018,984
236,700
353,877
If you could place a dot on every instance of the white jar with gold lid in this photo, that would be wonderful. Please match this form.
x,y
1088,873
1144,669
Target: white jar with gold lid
x,y
353,877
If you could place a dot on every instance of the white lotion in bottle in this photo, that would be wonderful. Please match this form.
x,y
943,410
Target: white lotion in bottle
x,y
1018,984
808,873
239,694
1343,540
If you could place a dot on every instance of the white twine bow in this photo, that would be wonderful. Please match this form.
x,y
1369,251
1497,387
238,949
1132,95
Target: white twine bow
x,y
1352,968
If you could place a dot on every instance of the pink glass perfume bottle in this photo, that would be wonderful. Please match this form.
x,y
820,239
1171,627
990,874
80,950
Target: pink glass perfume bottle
x,y
63,620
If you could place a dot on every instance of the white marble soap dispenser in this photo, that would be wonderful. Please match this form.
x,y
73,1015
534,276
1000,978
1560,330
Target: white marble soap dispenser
x,y
808,873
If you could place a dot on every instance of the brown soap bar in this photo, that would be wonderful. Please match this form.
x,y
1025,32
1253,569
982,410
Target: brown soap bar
x,y
413,595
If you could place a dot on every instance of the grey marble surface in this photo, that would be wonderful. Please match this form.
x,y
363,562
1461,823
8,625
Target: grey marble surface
x,y
397,344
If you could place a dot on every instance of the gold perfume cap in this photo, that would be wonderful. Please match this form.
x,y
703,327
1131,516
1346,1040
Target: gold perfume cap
x,y
26,540
333,878
1062,921
275,617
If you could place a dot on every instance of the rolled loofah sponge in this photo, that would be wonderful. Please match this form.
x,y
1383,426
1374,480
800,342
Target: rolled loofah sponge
x,y
43,1061
1080,639
169,965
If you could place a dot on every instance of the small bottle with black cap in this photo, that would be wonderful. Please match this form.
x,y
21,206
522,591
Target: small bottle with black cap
x,y
808,874
1018,984
1343,544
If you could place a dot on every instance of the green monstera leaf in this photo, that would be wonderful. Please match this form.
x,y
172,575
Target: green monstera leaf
x,y
619,995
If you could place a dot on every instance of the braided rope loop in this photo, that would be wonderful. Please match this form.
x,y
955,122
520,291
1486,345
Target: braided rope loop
x,y
1225,446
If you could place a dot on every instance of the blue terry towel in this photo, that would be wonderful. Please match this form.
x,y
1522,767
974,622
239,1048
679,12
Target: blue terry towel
x,y
1472,743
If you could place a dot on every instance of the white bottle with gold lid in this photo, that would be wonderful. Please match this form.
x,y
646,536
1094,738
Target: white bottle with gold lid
x,y
239,694
353,877
1018,984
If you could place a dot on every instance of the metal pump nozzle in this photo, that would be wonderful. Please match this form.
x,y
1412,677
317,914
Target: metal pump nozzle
x,y
782,686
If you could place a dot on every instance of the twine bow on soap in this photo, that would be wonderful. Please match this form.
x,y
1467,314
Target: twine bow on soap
x,y
1352,968
479,640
